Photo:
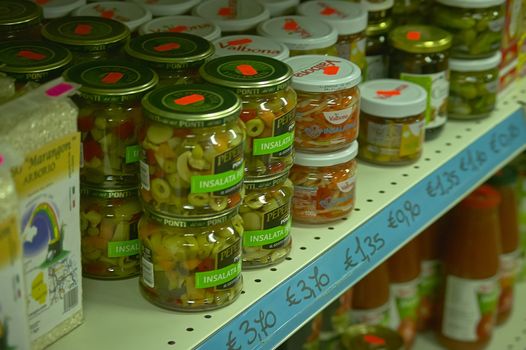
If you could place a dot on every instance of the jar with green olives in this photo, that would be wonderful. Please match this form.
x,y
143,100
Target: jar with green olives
x,y
473,89
19,20
109,117
268,111
192,140
108,228
176,57
189,264
477,26
377,50
267,221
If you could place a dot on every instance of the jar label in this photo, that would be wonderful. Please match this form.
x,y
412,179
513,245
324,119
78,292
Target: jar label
x,y
347,185
509,269
133,154
280,144
275,229
227,269
376,67
145,175
395,139
377,316
123,248
147,270
338,117
429,288
405,302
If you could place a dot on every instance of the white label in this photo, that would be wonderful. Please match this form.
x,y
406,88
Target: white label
x,y
509,264
395,139
347,185
339,117
145,175
376,67
377,316
147,273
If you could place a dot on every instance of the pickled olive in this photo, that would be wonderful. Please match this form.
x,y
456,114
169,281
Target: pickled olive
x,y
189,264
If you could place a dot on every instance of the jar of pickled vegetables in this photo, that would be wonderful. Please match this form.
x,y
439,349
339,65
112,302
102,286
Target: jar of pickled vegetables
x,y
188,264
269,105
377,50
19,20
473,89
192,151
61,8
108,228
477,26
350,20
378,10
252,45
280,7
160,8
328,108
391,122
176,57
267,221
324,185
204,28
421,55
302,35
88,38
109,116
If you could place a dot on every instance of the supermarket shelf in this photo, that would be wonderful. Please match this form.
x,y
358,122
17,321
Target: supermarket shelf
x,y
393,205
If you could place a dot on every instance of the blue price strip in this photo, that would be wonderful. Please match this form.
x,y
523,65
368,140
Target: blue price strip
x,y
278,314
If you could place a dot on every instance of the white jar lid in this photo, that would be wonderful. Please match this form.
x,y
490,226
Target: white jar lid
x,y
346,17
250,45
280,7
475,4
299,32
372,6
475,65
167,7
391,98
182,24
59,8
131,14
319,73
327,159
245,15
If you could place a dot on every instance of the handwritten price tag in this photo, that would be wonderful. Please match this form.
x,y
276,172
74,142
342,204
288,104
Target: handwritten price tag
x,y
307,289
502,140
442,184
255,329
373,244
405,215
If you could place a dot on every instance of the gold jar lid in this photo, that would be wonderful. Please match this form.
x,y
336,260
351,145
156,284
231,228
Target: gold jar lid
x,y
420,39
383,27
16,14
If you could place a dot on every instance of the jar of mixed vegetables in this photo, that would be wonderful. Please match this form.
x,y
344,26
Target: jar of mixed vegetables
x,y
477,26
328,107
269,105
473,89
192,151
19,20
160,8
377,50
176,57
252,45
204,28
392,122
109,116
267,221
188,264
302,35
108,228
350,20
324,185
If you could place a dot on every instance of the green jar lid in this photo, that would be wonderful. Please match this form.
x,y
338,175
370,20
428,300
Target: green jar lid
x,y
111,80
505,176
420,39
384,27
181,222
85,33
33,60
248,74
266,183
172,51
191,105
97,192
371,337
17,14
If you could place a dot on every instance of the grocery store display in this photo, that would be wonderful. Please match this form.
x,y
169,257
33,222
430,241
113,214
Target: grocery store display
x,y
370,299
377,49
58,8
20,20
160,8
182,24
250,44
280,7
131,14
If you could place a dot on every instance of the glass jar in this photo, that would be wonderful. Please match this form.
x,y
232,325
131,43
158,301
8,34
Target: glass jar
x,y
252,45
88,38
378,11
204,28
109,116
57,9
302,35
407,12
191,265
421,55
377,50
267,221
477,26
280,7
328,108
192,151
19,20
176,57
324,185
268,109
473,89
350,21
108,229
160,8
391,122
369,337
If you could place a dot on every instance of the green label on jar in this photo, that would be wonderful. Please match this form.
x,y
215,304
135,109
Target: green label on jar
x,y
133,154
267,238
217,182
275,144
216,278
123,248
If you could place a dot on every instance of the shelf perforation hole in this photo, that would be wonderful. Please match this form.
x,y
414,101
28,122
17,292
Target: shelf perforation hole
x,y
369,200
189,329
427,159
416,167
303,248
257,280
288,258
330,228
405,175
273,269
438,151
243,292
208,316
345,219
317,238
171,342
381,191
355,209
394,183
448,143
468,129
458,136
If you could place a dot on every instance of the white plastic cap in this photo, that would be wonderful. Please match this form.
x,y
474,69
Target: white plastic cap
x,y
280,7
346,17
59,8
252,45
131,14
167,7
372,6
327,159
475,65
475,4
182,24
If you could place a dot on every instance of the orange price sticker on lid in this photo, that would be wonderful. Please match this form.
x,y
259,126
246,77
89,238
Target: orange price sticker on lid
x,y
178,29
225,11
413,36
112,77
83,29
30,55
167,47
246,69
373,339
388,92
327,11
290,24
190,99
239,42
42,2
107,14
331,70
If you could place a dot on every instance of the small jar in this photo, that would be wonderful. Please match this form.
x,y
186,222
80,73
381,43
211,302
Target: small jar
x,y
377,50
473,89
269,104
204,28
57,9
477,26
19,20
267,221
252,45
328,108
88,38
302,35
421,55
108,228
280,7
392,122
109,116
379,11
233,17
407,12
324,185
132,15
176,57
192,151
160,8
191,265
350,20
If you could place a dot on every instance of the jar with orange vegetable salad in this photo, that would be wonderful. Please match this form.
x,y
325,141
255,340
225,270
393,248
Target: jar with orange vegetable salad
x,y
324,185
328,107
